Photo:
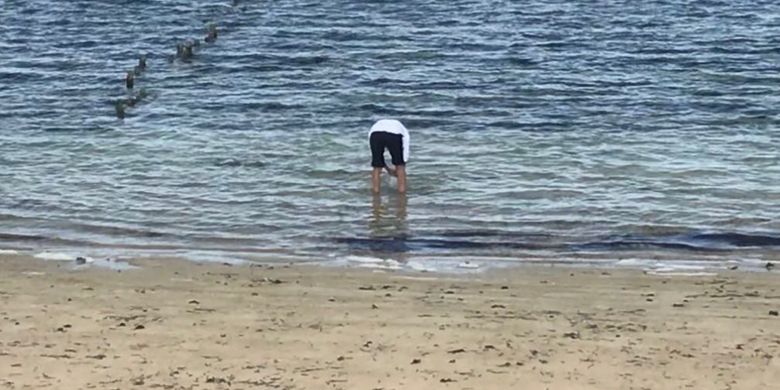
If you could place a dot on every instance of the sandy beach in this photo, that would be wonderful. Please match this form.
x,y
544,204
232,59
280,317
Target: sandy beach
x,y
173,324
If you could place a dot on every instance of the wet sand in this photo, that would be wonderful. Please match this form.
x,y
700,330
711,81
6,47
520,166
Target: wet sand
x,y
179,325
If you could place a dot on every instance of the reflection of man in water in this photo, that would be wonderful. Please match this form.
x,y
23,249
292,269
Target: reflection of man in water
x,y
389,134
388,219
388,228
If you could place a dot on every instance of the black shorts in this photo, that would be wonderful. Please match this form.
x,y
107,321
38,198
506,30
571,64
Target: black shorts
x,y
393,142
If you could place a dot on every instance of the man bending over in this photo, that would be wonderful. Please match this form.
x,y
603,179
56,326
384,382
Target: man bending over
x,y
389,134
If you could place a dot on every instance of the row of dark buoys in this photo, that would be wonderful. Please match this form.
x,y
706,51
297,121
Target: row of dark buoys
x,y
134,98
185,51
137,70
211,36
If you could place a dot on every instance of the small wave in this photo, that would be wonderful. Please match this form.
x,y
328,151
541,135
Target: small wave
x,y
79,262
349,36
381,81
234,163
21,77
707,242
638,245
55,256
738,240
404,244
531,126
303,60
740,221
493,233
520,61
20,237
117,231
10,217
373,262
707,93
377,109
654,230
262,68
270,106
493,240
77,129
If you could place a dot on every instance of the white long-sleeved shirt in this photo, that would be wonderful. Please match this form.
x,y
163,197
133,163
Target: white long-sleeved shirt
x,y
395,127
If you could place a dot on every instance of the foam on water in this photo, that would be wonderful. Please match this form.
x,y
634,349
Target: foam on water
x,y
76,262
673,272
366,262
54,256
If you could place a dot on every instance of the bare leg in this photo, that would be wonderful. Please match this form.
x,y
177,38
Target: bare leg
x,y
402,202
375,175
400,172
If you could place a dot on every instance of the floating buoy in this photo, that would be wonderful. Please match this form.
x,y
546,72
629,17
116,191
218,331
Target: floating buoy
x,y
130,80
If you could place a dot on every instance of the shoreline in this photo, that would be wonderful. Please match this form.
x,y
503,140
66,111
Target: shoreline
x,y
653,262
178,324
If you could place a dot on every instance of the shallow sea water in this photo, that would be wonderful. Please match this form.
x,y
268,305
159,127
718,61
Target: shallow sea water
x,y
610,133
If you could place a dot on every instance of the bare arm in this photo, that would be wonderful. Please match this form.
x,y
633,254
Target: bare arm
x,y
392,171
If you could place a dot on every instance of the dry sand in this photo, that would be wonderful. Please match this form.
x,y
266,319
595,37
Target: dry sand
x,y
180,325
